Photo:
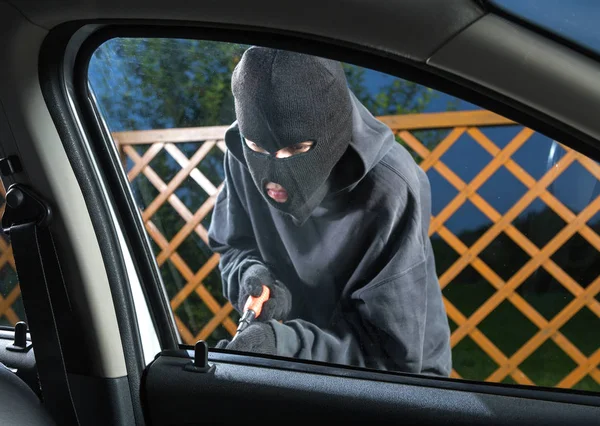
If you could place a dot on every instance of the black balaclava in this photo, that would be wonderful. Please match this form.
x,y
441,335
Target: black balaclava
x,y
283,98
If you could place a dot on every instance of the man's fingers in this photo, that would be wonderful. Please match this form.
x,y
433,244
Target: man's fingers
x,y
277,293
282,297
269,310
254,287
222,344
248,340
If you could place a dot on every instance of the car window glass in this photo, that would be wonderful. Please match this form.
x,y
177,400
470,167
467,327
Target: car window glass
x,y
574,21
421,233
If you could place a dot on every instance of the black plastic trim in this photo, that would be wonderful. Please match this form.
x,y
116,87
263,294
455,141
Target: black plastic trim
x,y
55,69
384,62
230,393
573,396
98,400
23,362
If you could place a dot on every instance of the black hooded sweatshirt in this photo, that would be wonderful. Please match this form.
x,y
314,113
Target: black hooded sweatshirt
x,y
360,269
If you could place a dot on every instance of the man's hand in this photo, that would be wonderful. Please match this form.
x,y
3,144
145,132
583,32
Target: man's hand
x,y
259,337
280,302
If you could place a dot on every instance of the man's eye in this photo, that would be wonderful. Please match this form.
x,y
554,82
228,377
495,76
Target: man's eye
x,y
301,147
255,147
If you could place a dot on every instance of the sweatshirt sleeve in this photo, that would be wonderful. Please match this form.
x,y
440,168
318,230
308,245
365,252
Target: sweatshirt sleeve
x,y
395,321
230,234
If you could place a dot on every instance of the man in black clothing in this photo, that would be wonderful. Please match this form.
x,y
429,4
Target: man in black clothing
x,y
322,205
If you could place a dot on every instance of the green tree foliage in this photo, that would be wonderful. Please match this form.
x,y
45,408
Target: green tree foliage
x,y
164,83
396,96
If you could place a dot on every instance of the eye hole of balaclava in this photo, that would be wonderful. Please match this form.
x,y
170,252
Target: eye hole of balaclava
x,y
289,151
282,99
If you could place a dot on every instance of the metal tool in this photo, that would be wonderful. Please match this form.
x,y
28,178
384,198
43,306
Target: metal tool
x,y
252,309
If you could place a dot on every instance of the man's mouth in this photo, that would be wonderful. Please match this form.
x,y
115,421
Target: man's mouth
x,y
276,192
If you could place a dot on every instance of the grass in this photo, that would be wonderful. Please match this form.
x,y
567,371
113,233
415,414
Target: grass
x,y
509,330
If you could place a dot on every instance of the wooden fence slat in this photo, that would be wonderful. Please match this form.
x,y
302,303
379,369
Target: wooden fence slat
x,y
188,217
455,375
185,332
178,179
195,174
574,352
485,344
451,177
188,134
580,372
442,147
215,321
162,242
188,228
414,143
590,165
150,174
440,120
143,161
187,289
6,305
7,258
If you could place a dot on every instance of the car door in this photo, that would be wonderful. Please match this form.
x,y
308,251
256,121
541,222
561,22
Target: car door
x,y
143,355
